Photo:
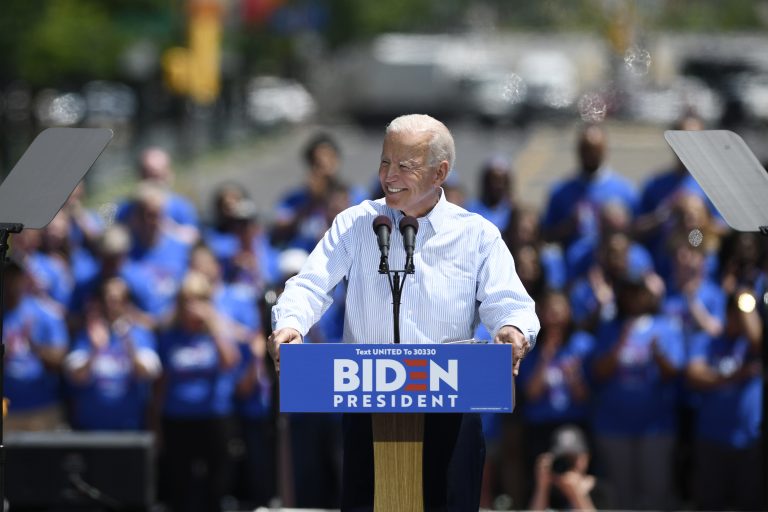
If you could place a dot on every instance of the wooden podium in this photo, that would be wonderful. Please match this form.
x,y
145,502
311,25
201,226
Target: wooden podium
x,y
397,385
397,455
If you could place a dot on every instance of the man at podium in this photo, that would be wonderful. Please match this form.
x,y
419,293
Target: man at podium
x,y
463,272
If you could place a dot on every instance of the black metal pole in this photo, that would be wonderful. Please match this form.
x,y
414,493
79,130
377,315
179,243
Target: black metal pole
x,y
763,310
396,292
5,231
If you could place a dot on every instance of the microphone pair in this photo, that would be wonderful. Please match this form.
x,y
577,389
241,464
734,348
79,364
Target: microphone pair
x,y
409,226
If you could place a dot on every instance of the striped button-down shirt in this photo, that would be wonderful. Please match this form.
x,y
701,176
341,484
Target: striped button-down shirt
x,y
464,274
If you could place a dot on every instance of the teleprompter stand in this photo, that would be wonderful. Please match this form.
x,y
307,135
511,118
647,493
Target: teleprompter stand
x,y
32,194
737,183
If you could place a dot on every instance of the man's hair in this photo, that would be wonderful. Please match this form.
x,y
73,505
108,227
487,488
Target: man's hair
x,y
319,139
441,145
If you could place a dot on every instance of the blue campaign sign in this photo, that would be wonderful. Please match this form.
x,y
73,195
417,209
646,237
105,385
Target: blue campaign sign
x,y
396,378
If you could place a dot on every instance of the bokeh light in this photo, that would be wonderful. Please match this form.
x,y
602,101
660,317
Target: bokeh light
x,y
747,302
592,107
695,237
637,60
513,89
108,212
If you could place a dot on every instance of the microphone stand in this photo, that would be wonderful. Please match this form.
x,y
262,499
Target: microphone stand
x,y
5,230
396,286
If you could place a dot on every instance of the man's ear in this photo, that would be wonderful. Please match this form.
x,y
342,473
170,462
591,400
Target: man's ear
x,y
441,174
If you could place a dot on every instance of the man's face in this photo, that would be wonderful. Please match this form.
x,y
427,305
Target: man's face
x,y
408,181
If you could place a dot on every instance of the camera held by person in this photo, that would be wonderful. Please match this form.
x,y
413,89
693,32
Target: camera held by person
x,y
561,475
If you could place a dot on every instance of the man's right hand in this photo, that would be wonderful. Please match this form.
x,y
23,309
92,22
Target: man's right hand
x,y
285,335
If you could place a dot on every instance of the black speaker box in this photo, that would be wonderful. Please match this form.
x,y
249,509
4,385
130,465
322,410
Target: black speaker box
x,y
80,471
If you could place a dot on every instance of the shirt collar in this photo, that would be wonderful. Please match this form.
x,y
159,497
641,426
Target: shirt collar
x,y
438,217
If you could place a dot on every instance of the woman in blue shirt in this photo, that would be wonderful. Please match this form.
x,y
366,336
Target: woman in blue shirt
x,y
637,358
112,361
552,380
726,371
196,395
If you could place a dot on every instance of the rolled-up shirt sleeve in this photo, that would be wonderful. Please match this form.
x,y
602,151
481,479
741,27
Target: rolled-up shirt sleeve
x,y
307,295
502,296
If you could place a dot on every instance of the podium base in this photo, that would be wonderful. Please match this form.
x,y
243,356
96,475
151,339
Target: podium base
x,y
397,452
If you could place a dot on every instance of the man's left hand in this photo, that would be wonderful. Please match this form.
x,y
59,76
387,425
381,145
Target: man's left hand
x,y
520,346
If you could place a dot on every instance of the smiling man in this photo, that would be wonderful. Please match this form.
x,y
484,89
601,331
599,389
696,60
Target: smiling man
x,y
463,270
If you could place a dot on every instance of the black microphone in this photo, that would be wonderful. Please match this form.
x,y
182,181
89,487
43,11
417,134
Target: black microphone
x,y
409,226
382,226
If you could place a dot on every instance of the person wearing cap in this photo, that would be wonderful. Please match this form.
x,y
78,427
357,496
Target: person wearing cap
x,y
464,271
562,481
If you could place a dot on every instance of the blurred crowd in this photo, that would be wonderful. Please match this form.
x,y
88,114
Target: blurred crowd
x,y
649,353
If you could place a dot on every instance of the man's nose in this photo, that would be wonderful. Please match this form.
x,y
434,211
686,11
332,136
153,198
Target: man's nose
x,y
393,172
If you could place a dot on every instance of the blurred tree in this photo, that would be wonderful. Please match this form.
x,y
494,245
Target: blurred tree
x,y
352,20
73,40
55,42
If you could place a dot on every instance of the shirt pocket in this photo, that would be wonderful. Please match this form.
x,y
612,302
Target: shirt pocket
x,y
451,305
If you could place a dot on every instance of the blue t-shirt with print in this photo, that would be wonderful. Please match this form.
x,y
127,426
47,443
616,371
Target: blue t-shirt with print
x,y
195,384
28,383
166,264
557,403
729,414
113,398
584,198
636,400
708,293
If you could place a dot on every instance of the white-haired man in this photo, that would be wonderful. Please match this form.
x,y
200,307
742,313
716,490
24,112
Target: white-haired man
x,y
462,268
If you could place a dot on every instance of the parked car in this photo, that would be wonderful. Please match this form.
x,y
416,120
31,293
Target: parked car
x,y
272,100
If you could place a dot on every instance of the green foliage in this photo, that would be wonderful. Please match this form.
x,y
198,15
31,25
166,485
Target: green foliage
x,y
360,19
54,42
74,39
707,15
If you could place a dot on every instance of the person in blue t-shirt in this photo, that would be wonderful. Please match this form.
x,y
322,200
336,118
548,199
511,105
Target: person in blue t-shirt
x,y
35,339
552,380
653,216
593,298
179,214
523,229
573,205
112,250
196,393
727,372
253,261
614,217
256,414
155,249
86,225
696,302
238,305
111,364
226,208
634,367
301,218
496,192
